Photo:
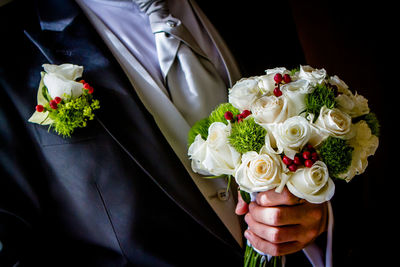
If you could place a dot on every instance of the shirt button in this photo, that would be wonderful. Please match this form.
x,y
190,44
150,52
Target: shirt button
x,y
223,195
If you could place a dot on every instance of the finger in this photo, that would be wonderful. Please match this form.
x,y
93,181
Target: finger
x,y
274,234
271,198
277,216
272,249
242,207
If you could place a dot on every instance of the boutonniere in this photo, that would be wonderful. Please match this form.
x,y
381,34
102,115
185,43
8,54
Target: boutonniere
x,y
64,103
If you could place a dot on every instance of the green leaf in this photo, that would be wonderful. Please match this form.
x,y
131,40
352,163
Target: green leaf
x,y
41,118
41,99
245,196
200,127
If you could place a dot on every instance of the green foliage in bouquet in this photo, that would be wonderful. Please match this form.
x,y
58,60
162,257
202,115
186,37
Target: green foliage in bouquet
x,y
337,155
247,136
218,115
373,123
200,127
73,114
322,95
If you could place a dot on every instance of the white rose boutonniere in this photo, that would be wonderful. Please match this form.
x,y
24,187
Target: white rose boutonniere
x,y
60,80
63,103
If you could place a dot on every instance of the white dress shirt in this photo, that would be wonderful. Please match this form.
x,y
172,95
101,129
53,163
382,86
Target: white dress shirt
x,y
131,27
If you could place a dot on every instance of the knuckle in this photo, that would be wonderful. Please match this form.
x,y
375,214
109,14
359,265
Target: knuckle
x,y
312,234
275,250
316,214
276,216
275,235
262,199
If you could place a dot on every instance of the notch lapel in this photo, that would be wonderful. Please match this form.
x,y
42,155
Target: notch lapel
x,y
140,139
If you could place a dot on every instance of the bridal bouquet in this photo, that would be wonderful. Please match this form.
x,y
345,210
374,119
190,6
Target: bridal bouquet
x,y
296,128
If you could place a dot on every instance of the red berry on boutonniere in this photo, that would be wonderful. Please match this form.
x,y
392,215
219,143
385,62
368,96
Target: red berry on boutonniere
x,y
57,99
53,104
39,108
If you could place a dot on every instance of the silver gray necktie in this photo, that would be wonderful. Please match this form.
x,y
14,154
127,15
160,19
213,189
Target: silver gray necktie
x,y
194,84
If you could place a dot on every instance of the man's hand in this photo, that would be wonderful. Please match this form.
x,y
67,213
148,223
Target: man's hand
x,y
281,223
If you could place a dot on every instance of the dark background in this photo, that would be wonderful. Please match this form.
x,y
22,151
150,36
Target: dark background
x,y
356,41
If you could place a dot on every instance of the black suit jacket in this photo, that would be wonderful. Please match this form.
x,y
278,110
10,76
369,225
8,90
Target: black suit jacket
x,y
114,194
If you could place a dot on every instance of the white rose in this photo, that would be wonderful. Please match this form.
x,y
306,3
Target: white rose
x,y
314,76
281,70
334,122
267,83
244,93
60,80
270,109
341,85
312,184
354,105
214,156
365,145
259,172
296,93
291,135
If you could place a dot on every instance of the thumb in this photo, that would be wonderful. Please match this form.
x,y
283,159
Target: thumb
x,y
241,207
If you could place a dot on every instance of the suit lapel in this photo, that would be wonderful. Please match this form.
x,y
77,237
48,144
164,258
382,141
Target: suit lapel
x,y
125,119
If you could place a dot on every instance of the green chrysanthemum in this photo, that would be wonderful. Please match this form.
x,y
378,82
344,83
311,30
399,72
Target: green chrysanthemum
x,y
373,123
322,95
247,136
337,155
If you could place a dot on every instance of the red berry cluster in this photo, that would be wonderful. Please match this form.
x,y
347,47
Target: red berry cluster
x,y
86,86
278,78
307,158
239,118
53,104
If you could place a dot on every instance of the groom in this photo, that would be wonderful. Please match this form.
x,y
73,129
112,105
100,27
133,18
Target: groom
x,y
120,192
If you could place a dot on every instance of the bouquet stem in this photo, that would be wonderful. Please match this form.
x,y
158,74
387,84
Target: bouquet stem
x,y
253,259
